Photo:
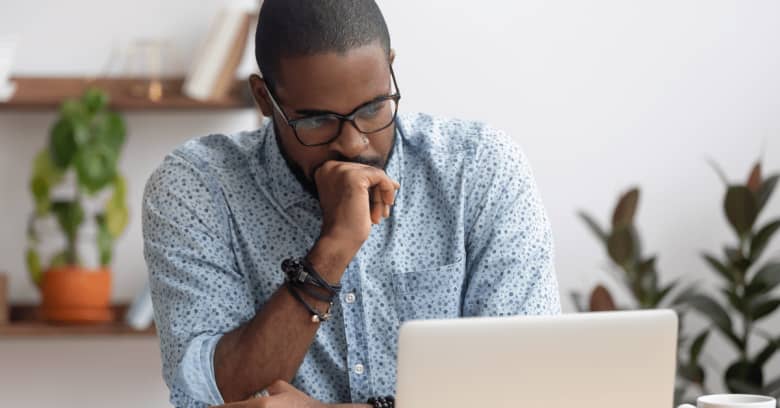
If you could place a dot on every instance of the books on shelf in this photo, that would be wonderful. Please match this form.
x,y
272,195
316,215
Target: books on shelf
x,y
213,71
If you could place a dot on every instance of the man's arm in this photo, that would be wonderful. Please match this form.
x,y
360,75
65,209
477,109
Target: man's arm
x,y
510,267
273,344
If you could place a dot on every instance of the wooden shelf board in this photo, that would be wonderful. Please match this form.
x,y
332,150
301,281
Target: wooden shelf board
x,y
47,93
25,321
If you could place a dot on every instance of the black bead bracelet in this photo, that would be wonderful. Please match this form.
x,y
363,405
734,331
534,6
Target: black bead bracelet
x,y
382,402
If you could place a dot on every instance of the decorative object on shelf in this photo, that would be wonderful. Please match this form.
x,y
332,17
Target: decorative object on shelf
x,y
140,315
7,50
747,295
145,61
3,299
214,68
77,187
640,279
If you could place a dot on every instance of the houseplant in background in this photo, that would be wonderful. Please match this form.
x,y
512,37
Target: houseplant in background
x,y
745,296
638,275
76,185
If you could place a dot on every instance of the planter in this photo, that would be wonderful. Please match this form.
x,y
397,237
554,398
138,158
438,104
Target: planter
x,y
73,294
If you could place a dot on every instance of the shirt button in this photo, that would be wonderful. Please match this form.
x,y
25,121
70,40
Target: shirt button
x,y
359,369
350,298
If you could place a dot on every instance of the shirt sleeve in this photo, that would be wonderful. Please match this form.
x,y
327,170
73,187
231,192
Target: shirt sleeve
x,y
197,289
509,243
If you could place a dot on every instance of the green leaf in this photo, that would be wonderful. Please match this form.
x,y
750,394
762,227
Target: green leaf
x,y
744,377
109,129
765,279
684,295
766,353
625,210
741,209
762,238
764,309
697,346
95,167
94,99
620,246
104,241
60,259
717,314
70,215
45,176
62,143
724,271
594,226
767,188
734,300
116,212
34,266
661,295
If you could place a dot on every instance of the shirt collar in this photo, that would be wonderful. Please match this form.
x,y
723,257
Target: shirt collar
x,y
286,188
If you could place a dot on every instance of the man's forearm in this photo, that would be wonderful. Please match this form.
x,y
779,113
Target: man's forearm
x,y
273,344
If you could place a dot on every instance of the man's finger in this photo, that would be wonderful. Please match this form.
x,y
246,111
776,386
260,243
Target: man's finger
x,y
278,387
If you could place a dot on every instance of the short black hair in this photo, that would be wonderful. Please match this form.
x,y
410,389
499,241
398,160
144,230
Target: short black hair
x,y
297,28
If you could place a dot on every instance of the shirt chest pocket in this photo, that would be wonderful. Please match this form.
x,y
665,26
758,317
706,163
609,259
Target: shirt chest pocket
x,y
433,293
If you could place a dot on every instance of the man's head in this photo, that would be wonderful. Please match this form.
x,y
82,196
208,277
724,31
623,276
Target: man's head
x,y
319,57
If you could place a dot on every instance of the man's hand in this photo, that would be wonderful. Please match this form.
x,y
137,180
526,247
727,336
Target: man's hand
x,y
282,395
352,197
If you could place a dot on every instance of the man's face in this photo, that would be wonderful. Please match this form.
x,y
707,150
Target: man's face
x,y
336,83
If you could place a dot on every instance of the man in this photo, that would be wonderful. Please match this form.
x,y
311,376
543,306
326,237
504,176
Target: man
x,y
414,217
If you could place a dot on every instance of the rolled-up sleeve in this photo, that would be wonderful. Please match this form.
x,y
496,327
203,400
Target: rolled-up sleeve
x,y
510,269
197,289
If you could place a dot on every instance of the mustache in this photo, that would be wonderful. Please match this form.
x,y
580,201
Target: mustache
x,y
368,161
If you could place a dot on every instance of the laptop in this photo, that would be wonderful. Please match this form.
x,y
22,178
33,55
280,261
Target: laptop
x,y
586,360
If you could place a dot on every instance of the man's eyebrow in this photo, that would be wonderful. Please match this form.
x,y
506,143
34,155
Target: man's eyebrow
x,y
314,112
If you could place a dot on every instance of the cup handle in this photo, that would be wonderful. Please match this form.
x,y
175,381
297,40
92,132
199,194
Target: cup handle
x,y
686,406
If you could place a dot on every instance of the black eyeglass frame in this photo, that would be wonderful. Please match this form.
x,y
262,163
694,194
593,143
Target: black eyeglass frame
x,y
350,117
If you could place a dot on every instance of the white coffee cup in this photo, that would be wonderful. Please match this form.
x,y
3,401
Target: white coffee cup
x,y
733,401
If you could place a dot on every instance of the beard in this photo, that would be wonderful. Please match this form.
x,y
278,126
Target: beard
x,y
307,181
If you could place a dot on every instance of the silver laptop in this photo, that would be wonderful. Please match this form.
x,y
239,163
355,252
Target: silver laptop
x,y
587,360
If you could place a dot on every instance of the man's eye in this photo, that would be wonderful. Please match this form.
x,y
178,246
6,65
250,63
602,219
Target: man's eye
x,y
312,123
371,110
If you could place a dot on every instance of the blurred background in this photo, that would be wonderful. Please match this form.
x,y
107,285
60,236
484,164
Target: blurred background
x,y
602,95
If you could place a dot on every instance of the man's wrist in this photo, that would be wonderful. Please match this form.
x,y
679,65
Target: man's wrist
x,y
330,257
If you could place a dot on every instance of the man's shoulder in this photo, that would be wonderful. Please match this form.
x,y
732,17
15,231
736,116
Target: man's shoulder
x,y
445,136
220,150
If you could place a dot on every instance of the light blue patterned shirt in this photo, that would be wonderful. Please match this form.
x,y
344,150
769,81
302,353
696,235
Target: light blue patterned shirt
x,y
468,236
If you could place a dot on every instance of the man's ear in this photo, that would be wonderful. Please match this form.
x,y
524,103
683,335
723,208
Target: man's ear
x,y
392,55
260,94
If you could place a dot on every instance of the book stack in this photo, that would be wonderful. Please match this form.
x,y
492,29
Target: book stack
x,y
213,72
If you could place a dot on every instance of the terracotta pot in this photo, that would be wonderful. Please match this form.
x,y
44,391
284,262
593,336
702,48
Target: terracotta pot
x,y
72,294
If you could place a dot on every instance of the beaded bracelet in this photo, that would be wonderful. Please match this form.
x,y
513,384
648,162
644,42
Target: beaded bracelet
x,y
382,402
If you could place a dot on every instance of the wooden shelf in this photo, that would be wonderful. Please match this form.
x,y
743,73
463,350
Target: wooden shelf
x,y
25,321
46,93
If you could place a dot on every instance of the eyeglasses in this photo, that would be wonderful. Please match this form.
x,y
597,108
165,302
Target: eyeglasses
x,y
323,128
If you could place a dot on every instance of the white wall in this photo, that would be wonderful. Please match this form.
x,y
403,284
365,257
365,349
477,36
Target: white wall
x,y
602,95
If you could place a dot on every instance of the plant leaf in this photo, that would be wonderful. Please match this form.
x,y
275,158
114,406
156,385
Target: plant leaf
x,y
766,353
724,271
594,226
661,295
62,143
762,238
764,309
625,210
95,167
34,266
45,176
94,99
744,377
767,188
717,314
741,209
754,180
104,241
620,246
601,300
697,346
765,279
70,215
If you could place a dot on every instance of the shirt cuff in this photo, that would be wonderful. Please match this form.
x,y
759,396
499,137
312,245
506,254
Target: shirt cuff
x,y
196,371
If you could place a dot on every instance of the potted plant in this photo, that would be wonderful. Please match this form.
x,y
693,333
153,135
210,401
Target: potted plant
x,y
76,186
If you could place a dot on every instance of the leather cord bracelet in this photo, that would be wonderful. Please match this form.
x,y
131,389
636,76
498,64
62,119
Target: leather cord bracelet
x,y
316,316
